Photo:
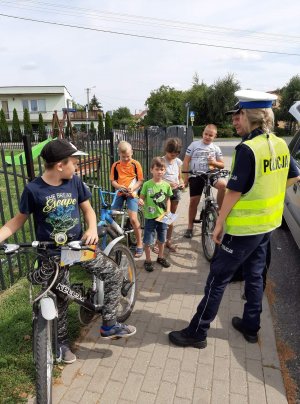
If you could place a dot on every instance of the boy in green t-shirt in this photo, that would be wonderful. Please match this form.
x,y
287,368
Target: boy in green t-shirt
x,y
155,197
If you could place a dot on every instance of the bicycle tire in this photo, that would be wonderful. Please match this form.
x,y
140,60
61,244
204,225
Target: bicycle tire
x,y
43,357
123,257
131,236
210,216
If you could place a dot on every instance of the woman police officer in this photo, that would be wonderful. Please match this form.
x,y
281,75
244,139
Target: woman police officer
x,y
251,209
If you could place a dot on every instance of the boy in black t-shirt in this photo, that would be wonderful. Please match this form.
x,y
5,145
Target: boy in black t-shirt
x,y
55,200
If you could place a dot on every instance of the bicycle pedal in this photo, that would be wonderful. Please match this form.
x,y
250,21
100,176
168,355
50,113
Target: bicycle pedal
x,y
115,338
197,221
125,288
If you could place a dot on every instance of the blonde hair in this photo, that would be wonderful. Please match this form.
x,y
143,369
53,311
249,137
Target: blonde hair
x,y
211,126
124,146
261,118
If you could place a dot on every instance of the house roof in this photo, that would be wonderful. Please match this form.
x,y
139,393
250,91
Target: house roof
x,y
21,90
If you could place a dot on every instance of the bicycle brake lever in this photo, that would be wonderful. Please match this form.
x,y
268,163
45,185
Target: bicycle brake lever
x,y
75,245
10,248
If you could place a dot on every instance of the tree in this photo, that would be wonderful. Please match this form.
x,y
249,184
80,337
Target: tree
x,y
95,104
289,94
221,98
121,118
92,130
196,96
165,107
100,125
16,130
27,124
108,125
4,132
78,107
55,129
42,127
83,128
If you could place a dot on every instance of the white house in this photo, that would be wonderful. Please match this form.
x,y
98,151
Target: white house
x,y
37,99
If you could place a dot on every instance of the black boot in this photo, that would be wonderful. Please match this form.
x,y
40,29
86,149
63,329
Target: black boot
x,y
181,338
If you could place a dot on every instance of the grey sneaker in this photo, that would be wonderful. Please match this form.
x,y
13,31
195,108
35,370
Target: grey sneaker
x,y
118,331
65,354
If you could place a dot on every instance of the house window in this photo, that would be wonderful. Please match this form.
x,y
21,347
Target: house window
x,y
4,106
34,106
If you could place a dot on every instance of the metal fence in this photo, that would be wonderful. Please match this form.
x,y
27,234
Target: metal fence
x,y
94,169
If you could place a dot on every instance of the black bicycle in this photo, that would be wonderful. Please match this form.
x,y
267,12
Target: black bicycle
x,y
47,277
209,211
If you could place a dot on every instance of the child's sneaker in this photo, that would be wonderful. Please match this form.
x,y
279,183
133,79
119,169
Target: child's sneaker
x,y
163,262
148,265
117,331
65,354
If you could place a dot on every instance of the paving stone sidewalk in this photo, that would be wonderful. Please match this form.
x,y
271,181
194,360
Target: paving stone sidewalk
x,y
148,369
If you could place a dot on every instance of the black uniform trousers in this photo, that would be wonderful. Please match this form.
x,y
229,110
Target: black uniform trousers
x,y
234,251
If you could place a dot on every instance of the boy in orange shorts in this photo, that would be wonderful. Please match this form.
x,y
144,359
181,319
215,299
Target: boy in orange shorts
x,y
127,174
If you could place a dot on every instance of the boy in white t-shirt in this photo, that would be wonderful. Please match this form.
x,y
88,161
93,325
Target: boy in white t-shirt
x,y
202,155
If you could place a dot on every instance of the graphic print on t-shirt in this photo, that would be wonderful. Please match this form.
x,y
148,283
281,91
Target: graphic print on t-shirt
x,y
59,208
160,199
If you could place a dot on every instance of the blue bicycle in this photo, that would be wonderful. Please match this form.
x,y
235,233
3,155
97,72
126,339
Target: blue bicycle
x,y
108,216
111,236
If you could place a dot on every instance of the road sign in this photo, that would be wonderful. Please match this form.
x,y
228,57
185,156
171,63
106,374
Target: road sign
x,y
70,109
192,114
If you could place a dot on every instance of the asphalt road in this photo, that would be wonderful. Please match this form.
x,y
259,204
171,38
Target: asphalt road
x,y
284,275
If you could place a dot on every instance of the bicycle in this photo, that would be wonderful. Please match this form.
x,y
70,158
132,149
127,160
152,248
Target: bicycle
x,y
110,236
107,216
47,277
209,211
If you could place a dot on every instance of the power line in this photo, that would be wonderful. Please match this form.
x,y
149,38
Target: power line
x,y
147,36
127,18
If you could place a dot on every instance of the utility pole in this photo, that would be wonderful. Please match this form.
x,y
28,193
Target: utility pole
x,y
87,107
187,105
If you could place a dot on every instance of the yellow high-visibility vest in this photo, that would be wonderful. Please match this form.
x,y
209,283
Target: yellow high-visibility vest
x,y
260,209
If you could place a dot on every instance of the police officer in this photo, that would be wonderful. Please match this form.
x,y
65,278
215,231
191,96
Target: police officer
x,y
238,276
251,209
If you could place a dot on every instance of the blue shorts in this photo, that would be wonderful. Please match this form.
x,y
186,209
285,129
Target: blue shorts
x,y
152,226
132,203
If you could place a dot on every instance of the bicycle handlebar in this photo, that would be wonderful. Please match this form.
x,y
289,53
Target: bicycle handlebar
x,y
72,245
209,173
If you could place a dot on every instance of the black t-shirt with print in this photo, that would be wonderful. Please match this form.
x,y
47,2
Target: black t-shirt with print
x,y
55,208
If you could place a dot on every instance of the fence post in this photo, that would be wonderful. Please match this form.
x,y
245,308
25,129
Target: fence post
x,y
111,147
147,153
28,156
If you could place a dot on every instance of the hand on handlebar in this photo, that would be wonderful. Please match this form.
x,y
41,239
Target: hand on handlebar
x,y
90,237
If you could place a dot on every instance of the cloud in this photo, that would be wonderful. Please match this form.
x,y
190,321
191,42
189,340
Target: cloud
x,y
29,66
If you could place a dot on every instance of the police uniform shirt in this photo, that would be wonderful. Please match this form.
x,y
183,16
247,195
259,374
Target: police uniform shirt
x,y
243,173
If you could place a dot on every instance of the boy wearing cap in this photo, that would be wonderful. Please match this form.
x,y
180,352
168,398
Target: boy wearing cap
x,y
55,199
251,210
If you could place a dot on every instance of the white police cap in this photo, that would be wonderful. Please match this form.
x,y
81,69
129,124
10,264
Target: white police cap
x,y
251,99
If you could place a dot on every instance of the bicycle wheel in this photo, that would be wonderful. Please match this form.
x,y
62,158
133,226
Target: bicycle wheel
x,y
128,226
208,224
43,357
123,257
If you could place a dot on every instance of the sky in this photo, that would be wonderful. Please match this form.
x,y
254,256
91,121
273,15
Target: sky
x,y
122,70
